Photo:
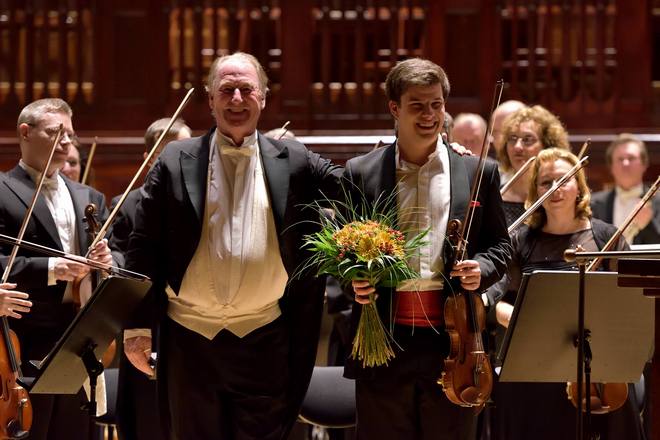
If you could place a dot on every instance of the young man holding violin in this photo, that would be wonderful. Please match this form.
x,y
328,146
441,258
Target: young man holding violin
x,y
432,186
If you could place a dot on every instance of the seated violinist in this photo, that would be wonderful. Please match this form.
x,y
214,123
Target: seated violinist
x,y
542,410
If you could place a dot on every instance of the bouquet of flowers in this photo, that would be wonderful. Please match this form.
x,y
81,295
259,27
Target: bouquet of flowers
x,y
364,243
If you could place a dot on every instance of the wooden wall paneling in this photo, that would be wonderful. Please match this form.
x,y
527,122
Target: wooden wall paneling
x,y
297,63
633,75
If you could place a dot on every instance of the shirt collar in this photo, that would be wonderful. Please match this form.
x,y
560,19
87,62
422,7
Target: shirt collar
x,y
49,182
403,165
226,145
635,192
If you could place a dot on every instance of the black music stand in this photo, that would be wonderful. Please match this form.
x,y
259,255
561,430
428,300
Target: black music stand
x,y
540,343
75,356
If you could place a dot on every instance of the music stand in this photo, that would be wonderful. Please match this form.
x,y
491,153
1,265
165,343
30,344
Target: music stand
x,y
75,356
540,343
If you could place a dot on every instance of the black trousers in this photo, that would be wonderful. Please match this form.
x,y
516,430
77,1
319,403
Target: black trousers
x,y
59,417
229,388
138,415
403,400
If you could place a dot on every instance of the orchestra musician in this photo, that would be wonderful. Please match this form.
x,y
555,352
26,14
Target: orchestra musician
x,y
628,160
542,410
402,400
219,229
57,222
524,134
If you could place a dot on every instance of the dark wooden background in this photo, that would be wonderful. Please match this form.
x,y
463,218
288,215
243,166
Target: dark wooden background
x,y
125,63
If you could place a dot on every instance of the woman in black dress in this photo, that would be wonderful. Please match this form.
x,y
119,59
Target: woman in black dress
x,y
541,410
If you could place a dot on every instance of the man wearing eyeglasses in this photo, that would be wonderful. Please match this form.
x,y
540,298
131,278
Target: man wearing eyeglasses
x,y
56,222
219,229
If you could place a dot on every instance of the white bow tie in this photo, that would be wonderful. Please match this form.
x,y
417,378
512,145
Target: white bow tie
x,y
628,194
50,183
230,150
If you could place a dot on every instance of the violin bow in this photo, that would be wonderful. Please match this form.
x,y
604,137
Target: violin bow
x,y
146,161
627,222
284,130
88,165
545,196
584,148
28,214
518,175
476,184
113,270
13,358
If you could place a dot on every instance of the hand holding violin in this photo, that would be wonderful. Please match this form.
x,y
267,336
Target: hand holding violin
x,y
469,272
101,253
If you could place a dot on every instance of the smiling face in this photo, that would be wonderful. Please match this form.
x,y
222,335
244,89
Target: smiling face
x,y
37,140
235,99
523,143
563,201
419,115
627,165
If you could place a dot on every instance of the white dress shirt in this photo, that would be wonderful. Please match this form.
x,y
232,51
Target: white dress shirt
x,y
59,203
236,276
423,196
624,203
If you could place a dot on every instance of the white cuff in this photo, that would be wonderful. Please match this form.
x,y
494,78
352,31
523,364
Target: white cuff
x,y
51,271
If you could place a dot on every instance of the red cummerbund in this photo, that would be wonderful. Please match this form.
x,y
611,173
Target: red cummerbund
x,y
419,309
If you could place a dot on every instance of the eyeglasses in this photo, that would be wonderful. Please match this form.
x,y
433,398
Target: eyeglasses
x,y
52,132
527,140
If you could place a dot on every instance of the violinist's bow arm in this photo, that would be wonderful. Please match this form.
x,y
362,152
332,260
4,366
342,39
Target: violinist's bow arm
x,y
112,270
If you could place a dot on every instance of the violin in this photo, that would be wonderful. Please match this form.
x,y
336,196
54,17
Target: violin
x,y
15,406
608,397
92,227
467,379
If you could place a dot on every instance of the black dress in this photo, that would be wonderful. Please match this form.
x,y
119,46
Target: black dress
x,y
512,211
541,411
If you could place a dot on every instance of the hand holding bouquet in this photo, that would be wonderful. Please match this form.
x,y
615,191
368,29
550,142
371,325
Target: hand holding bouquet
x,y
364,244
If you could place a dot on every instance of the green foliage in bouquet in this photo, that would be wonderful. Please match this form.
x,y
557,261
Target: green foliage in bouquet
x,y
363,242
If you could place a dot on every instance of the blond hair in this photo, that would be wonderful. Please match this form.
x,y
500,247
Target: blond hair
x,y
582,206
550,131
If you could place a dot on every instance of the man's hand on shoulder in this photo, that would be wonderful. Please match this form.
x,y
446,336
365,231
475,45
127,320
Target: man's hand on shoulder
x,y
458,148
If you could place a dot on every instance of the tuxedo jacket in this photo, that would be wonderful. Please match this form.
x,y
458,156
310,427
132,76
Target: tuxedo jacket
x,y
602,207
168,225
374,174
124,221
39,329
